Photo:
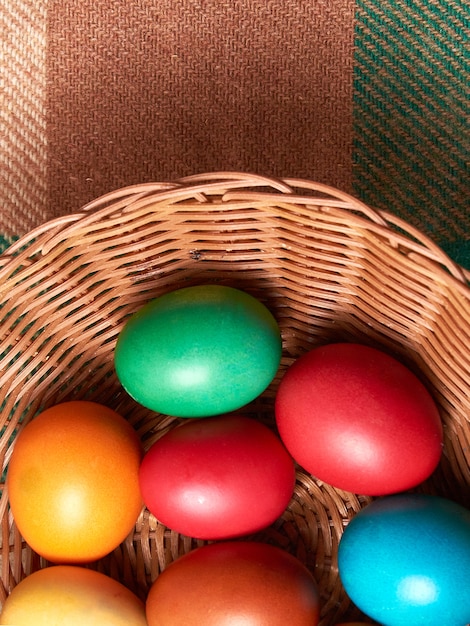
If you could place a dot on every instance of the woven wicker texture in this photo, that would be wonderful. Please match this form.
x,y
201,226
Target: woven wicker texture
x,y
327,266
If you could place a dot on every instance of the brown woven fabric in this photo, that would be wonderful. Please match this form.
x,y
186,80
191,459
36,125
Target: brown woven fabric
x,y
23,149
153,90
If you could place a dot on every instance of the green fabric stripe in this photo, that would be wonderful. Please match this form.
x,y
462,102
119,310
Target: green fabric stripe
x,y
411,115
5,242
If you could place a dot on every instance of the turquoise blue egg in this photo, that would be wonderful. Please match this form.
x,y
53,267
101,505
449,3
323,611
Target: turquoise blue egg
x,y
404,560
198,351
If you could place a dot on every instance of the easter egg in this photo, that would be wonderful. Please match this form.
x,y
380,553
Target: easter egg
x,y
240,582
73,481
198,351
359,420
65,595
404,559
217,477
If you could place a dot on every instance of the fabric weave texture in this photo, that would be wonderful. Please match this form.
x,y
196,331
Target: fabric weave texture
x,y
371,97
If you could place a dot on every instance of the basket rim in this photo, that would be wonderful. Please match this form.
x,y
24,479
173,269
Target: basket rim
x,y
238,186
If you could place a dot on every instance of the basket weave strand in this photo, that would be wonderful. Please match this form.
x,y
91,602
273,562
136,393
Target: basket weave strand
x,y
327,266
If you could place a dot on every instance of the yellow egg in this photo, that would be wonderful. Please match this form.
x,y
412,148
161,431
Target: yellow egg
x,y
67,595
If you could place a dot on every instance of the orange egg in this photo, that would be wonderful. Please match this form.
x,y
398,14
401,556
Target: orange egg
x,y
234,583
73,481
67,595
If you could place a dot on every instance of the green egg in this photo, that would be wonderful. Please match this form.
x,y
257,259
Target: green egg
x,y
198,351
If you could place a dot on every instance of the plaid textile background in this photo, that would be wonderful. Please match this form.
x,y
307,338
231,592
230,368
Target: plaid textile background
x,y
412,114
370,96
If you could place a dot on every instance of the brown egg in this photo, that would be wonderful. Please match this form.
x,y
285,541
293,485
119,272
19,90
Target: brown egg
x,y
234,583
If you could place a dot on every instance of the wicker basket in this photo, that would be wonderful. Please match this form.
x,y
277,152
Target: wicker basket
x,y
327,266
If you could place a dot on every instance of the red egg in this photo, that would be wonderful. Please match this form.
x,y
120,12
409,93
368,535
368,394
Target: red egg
x,y
217,477
238,582
358,419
